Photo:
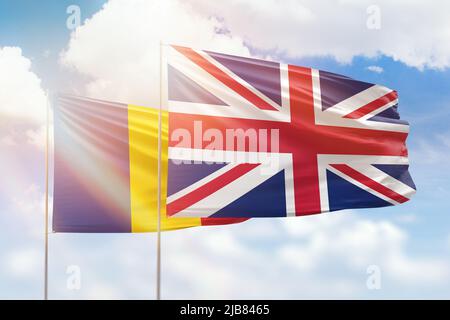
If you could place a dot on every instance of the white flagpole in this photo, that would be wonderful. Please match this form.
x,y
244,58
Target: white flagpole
x,y
46,198
158,239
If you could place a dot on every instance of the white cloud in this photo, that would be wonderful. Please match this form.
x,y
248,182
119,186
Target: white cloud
x,y
22,262
359,242
23,102
47,53
406,218
31,201
21,94
376,69
323,256
28,208
118,48
339,28
37,136
8,141
433,150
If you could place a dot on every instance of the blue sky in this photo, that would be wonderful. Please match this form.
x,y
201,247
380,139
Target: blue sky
x,y
410,243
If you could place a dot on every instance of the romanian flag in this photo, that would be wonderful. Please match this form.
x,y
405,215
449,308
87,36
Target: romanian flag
x,y
106,169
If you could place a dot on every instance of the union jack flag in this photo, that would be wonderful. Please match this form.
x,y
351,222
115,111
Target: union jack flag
x,y
324,142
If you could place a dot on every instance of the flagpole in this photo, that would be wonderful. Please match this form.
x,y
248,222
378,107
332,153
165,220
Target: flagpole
x,y
47,134
158,237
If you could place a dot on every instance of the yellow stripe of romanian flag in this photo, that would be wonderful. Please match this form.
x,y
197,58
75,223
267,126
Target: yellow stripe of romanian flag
x,y
143,153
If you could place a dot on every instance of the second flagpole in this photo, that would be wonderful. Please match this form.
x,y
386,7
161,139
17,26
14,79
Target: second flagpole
x,y
47,137
158,236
